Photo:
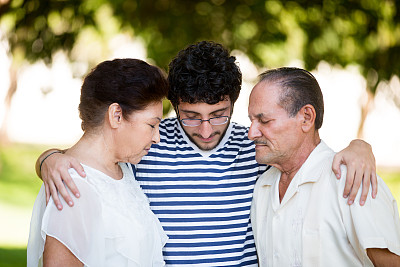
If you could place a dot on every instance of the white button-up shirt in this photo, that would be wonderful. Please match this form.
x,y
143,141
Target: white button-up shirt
x,y
313,225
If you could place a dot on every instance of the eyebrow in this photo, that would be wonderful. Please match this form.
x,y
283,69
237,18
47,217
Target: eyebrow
x,y
197,113
258,116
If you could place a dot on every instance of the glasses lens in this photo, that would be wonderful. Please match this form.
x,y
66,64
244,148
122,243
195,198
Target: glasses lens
x,y
219,120
191,122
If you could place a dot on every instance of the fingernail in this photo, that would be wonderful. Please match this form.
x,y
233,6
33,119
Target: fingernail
x,y
77,195
59,207
350,202
362,202
345,196
70,203
337,176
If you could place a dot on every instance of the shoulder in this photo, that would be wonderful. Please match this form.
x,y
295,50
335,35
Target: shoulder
x,y
168,130
86,185
240,132
239,128
168,123
267,179
87,204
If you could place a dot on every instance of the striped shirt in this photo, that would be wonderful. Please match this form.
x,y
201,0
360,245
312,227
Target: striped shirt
x,y
202,198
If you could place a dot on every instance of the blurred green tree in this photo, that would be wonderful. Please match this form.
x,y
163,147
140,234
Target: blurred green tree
x,y
272,33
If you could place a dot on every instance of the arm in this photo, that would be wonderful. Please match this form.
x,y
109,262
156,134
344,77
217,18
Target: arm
x,y
360,162
383,257
54,171
56,254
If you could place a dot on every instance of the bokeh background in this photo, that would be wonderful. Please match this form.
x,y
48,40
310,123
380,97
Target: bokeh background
x,y
47,46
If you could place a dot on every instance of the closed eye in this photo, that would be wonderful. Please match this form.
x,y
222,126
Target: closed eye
x,y
217,115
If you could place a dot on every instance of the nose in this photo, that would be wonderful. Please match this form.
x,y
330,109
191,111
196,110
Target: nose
x,y
156,137
254,132
205,129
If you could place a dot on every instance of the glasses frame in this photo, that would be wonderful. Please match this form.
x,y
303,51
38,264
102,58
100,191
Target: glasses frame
x,y
200,121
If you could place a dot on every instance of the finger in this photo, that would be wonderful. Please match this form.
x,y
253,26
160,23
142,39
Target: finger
x,y
47,191
63,191
374,184
78,167
54,195
336,166
349,180
69,182
356,185
365,187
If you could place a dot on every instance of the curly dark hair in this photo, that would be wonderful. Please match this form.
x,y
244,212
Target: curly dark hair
x,y
203,72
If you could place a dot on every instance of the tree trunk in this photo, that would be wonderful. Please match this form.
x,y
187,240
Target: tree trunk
x,y
366,107
7,104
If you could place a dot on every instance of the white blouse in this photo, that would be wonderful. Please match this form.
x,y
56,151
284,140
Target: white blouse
x,y
111,224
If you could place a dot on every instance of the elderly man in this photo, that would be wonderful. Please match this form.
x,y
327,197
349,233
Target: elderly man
x,y
298,215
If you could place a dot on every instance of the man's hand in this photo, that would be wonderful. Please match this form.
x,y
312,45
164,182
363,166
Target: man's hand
x,y
361,168
54,173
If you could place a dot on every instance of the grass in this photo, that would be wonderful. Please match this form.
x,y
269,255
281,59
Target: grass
x,y
12,257
392,179
19,186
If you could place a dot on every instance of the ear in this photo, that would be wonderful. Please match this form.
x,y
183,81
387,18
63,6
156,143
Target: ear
x,y
308,116
114,115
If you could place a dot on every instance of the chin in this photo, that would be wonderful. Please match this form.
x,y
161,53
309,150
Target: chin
x,y
134,160
207,146
262,159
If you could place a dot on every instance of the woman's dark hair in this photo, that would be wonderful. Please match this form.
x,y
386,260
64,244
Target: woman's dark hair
x,y
298,88
203,72
131,83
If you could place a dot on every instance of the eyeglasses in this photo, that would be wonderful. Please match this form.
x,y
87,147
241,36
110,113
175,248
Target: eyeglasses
x,y
213,121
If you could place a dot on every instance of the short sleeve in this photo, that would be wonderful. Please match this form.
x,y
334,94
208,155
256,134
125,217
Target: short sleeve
x,y
79,227
374,225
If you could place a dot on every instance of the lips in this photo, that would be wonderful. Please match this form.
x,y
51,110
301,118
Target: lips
x,y
260,144
208,139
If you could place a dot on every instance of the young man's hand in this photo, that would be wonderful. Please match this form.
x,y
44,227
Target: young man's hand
x,y
361,169
54,173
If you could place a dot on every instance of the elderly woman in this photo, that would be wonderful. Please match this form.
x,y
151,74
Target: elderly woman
x,y
112,224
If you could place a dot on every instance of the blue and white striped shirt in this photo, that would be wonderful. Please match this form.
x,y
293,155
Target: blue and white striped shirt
x,y
202,198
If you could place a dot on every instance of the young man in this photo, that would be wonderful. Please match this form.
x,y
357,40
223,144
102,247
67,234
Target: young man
x,y
298,215
200,177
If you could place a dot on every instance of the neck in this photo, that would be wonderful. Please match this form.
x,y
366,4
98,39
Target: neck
x,y
96,151
293,162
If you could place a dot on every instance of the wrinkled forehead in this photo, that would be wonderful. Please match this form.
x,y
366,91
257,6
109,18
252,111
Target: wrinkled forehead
x,y
270,90
264,97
